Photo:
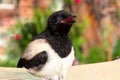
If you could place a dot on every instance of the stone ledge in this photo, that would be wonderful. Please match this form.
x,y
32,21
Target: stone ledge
x,y
97,71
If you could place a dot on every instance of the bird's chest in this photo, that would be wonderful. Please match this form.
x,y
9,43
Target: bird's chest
x,y
61,46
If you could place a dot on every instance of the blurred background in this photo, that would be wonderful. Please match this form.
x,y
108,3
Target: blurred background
x,y
95,35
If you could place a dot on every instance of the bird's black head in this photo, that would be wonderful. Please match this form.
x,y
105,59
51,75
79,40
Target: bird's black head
x,y
60,22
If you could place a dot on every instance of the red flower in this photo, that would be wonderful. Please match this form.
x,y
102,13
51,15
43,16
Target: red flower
x,y
77,1
18,36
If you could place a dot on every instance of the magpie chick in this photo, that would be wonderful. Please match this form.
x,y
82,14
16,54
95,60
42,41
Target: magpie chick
x,y
51,53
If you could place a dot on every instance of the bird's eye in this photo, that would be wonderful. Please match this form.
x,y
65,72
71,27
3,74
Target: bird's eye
x,y
59,18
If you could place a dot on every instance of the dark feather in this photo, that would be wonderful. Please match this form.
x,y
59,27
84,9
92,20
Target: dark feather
x,y
60,43
38,60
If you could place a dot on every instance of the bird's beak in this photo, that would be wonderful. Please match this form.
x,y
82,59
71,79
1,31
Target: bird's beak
x,y
70,19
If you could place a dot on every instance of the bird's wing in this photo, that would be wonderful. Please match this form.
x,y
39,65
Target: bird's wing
x,y
35,54
35,47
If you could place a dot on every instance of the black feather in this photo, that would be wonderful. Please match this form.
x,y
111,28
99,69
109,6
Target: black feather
x,y
61,44
38,61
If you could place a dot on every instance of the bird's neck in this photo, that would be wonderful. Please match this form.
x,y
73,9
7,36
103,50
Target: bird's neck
x,y
61,43
59,32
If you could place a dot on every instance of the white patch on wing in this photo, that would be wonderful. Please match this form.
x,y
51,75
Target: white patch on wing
x,y
35,47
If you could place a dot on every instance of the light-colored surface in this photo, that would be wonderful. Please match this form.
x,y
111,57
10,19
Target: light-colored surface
x,y
16,74
98,71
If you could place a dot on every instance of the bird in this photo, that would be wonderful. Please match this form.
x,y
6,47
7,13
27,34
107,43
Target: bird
x,y
50,54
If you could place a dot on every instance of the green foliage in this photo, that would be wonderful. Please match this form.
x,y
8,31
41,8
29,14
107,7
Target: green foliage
x,y
26,31
40,19
70,2
29,29
116,51
77,40
96,54
9,62
118,14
